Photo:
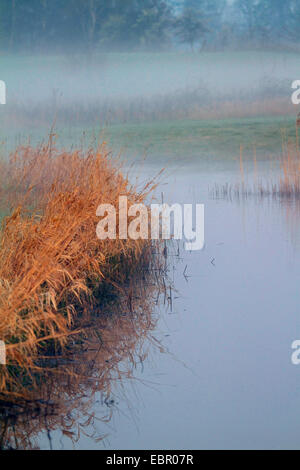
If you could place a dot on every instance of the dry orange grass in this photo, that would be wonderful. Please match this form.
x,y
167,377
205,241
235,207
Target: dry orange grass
x,y
51,262
289,183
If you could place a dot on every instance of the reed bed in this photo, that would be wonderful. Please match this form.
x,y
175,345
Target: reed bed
x,y
284,184
53,268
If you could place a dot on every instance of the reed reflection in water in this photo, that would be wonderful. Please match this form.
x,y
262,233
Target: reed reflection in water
x,y
77,389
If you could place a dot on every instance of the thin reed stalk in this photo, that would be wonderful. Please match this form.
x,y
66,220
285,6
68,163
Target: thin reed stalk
x,y
285,185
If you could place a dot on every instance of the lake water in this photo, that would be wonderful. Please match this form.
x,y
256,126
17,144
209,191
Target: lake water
x,y
227,380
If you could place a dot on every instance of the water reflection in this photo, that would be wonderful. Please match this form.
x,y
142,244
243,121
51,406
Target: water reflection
x,y
77,389
263,196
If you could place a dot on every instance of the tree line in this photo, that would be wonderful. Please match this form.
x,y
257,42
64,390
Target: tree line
x,y
85,25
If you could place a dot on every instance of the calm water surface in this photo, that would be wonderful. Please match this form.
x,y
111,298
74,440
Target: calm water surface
x,y
227,380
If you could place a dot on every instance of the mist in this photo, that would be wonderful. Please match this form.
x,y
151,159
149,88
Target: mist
x,y
140,87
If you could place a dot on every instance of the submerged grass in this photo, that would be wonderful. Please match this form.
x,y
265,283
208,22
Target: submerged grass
x,y
53,268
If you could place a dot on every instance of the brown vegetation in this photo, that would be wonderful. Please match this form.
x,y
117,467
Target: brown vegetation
x,y
77,391
53,268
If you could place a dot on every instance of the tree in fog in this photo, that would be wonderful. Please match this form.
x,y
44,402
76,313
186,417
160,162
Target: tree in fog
x,y
295,21
214,19
275,20
143,23
210,10
153,23
201,21
85,25
5,22
266,21
86,14
191,27
248,12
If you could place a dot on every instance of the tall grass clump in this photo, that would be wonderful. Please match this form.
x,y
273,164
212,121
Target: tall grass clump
x,y
283,183
53,267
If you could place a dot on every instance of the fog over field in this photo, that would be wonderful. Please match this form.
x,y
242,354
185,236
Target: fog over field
x,y
132,87
131,75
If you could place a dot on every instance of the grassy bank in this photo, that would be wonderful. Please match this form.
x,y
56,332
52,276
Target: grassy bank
x,y
192,139
188,142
